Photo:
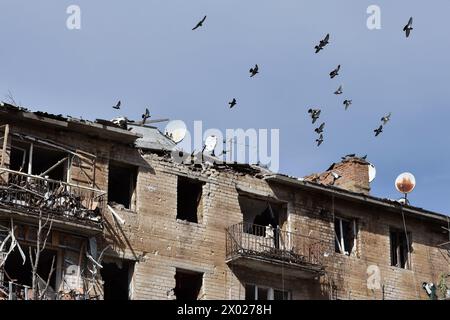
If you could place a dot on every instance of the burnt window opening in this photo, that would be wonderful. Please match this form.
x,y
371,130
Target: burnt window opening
x,y
21,274
255,292
47,162
262,217
189,199
117,280
345,236
122,180
400,255
188,284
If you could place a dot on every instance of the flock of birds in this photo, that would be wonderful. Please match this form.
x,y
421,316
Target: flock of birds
x,y
313,113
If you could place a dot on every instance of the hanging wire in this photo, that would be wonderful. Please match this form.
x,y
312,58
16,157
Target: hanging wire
x,y
409,251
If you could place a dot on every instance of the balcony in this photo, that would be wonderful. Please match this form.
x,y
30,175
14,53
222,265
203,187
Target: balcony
x,y
268,249
25,196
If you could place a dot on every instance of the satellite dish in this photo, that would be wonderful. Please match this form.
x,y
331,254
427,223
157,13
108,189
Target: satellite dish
x,y
372,172
210,143
405,183
176,130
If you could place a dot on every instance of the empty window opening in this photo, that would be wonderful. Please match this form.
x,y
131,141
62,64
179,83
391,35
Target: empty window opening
x,y
259,216
345,236
44,162
49,162
18,160
20,273
255,292
188,284
189,199
122,184
117,280
400,256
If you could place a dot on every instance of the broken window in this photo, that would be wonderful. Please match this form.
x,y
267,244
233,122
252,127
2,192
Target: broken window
x,y
254,292
189,199
122,184
260,215
117,278
345,236
188,284
400,256
38,160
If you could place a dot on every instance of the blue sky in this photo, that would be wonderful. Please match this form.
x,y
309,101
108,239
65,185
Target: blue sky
x,y
144,53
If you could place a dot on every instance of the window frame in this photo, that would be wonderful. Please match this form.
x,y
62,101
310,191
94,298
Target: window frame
x,y
341,241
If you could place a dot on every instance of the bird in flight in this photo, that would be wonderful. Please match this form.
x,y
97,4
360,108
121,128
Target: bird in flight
x,y
339,90
322,43
319,130
315,114
254,71
347,103
232,103
335,72
200,23
117,106
408,27
386,118
145,116
378,131
319,140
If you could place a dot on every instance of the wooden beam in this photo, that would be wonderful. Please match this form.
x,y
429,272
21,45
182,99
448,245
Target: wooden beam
x,y
5,144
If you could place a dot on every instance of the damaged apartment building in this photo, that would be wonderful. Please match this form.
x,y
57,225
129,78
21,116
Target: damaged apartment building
x,y
96,210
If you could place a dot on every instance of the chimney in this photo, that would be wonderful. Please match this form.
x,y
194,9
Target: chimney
x,y
351,174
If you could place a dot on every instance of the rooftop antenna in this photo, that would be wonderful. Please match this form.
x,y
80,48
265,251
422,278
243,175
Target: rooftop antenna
x,y
176,131
405,183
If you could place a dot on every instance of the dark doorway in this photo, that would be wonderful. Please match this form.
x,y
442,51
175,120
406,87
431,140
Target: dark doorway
x,y
188,284
116,280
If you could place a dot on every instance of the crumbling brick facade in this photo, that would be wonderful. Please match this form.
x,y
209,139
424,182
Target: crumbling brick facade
x,y
296,254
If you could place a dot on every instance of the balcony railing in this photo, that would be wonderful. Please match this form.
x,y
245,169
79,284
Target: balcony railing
x,y
250,240
33,194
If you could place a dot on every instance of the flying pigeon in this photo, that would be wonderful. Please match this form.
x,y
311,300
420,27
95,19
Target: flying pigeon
x,y
254,71
386,118
347,103
315,114
145,116
117,106
200,23
339,90
408,27
334,73
322,43
319,130
378,131
320,140
232,103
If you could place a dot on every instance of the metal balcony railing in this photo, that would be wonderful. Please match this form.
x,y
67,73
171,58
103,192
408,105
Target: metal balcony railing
x,y
33,194
246,239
